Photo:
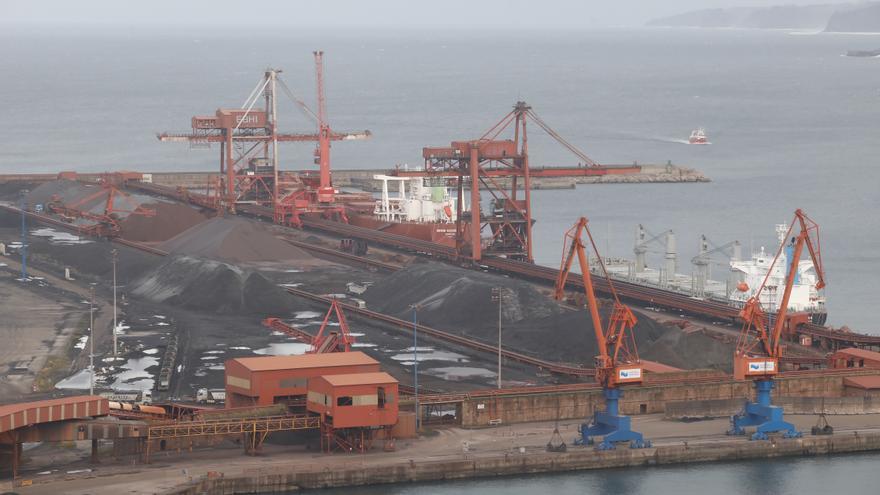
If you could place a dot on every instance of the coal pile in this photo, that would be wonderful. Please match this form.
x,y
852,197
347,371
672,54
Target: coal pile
x,y
233,240
691,350
170,219
459,301
212,286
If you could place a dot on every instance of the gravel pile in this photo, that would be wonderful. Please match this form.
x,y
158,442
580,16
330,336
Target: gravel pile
x,y
233,240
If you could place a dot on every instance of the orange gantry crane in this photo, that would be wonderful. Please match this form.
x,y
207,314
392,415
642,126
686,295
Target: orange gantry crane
x,y
250,169
618,360
758,349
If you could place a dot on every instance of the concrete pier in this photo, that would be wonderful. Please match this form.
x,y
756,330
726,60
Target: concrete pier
x,y
528,463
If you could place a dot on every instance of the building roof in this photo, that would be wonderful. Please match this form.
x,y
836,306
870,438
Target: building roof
x,y
867,382
377,378
305,361
23,413
860,353
655,367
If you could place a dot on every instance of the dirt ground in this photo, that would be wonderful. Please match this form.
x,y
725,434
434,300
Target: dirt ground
x,y
171,468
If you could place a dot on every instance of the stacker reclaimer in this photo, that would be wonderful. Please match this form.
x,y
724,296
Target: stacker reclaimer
x,y
758,357
618,360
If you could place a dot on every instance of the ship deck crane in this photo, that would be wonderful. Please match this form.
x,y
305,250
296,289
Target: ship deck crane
x,y
702,261
758,349
618,360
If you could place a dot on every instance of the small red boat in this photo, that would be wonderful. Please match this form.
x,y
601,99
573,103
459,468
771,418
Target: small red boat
x,y
698,136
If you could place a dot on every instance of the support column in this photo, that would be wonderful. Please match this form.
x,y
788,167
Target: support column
x,y
94,458
16,459
476,247
527,183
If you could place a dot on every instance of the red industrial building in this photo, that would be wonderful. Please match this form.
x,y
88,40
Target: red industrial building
x,y
854,358
284,379
354,400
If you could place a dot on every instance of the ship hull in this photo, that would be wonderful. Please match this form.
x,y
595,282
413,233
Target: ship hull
x,y
440,233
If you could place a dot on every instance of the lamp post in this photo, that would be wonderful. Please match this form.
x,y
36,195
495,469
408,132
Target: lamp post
x,y
92,339
415,312
115,254
23,249
497,293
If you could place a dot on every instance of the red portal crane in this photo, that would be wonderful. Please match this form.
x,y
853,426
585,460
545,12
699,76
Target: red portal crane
x,y
325,340
618,360
758,349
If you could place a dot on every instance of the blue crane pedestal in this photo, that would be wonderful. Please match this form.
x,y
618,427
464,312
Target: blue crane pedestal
x,y
761,413
613,427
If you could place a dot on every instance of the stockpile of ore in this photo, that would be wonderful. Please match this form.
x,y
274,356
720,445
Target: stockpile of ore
x,y
460,301
233,240
170,219
208,285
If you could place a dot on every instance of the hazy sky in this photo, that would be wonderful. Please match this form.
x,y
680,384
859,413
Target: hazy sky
x,y
413,14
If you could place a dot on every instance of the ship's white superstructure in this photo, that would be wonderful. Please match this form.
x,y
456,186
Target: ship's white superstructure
x,y
750,273
413,201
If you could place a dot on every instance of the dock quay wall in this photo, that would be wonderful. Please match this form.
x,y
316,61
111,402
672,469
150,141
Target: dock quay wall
x,y
533,460
709,399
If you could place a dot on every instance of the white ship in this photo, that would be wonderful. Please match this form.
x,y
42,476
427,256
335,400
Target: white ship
x,y
742,276
749,274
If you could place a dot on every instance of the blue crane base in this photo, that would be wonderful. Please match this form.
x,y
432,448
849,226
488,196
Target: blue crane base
x,y
767,417
611,426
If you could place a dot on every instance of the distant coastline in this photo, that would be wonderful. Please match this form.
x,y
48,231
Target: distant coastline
x,y
861,18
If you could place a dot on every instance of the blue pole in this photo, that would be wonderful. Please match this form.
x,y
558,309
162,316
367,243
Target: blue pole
x,y
416,363
23,242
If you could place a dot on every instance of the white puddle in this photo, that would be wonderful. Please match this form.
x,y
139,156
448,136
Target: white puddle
x,y
216,352
135,375
363,344
292,271
304,315
290,285
217,367
161,317
241,348
162,324
431,356
208,358
458,373
60,238
151,351
121,327
81,343
284,349
78,381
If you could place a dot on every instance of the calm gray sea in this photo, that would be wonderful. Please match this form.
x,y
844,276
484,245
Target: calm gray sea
x,y
792,122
